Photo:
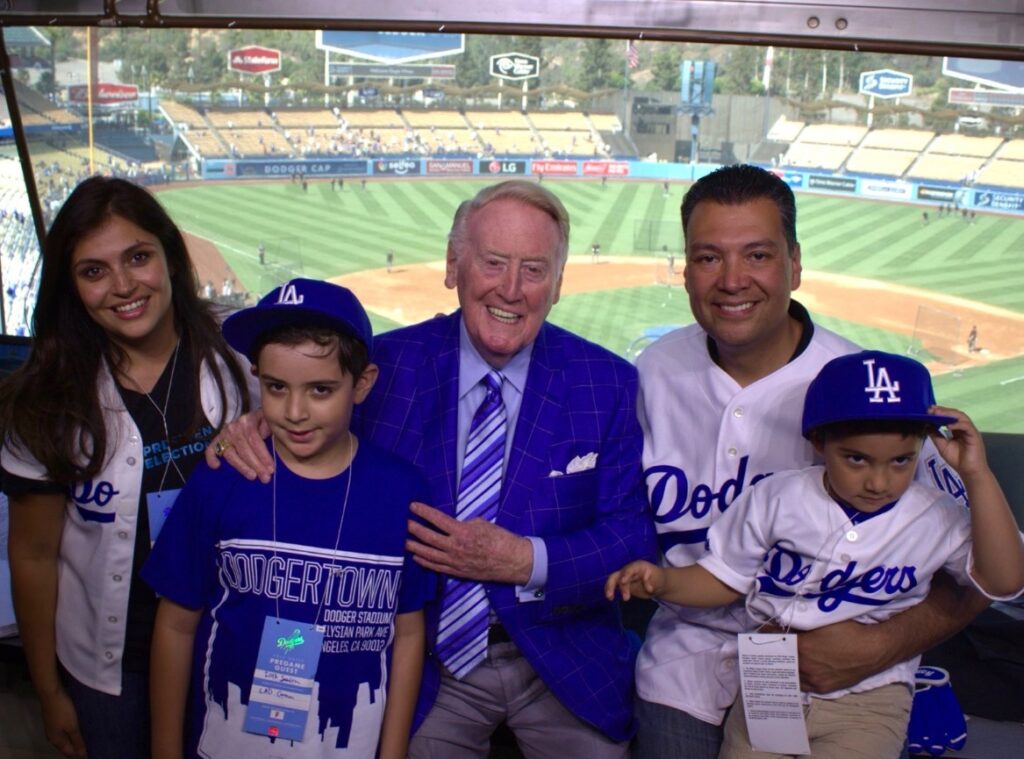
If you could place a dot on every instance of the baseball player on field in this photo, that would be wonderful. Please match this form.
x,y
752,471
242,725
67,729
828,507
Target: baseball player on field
x,y
720,405
855,539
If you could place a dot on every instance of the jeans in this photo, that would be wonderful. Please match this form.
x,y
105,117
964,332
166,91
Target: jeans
x,y
667,733
113,727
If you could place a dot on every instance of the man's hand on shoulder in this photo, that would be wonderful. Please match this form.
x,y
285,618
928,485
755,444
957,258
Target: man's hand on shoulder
x,y
241,444
476,550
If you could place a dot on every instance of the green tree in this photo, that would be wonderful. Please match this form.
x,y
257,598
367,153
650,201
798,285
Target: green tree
x,y
665,67
739,73
600,68
472,67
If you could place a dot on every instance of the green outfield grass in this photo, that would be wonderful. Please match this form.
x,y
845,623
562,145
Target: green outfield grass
x,y
323,233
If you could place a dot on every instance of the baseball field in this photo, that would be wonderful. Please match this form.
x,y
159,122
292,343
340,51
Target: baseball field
x,y
873,271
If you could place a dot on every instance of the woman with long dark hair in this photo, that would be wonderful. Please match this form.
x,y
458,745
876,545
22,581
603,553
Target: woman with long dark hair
x,y
127,381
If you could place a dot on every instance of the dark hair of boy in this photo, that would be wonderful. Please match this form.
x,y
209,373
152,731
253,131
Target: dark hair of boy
x,y
353,358
52,404
853,427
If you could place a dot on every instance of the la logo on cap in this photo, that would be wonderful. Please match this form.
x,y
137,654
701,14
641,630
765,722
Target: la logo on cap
x,y
289,296
879,382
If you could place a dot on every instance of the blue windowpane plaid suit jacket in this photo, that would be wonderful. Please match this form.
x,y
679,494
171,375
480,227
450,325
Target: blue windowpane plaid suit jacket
x,y
579,399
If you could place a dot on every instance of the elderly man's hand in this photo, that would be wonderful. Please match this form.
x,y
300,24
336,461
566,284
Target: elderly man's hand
x,y
241,444
476,550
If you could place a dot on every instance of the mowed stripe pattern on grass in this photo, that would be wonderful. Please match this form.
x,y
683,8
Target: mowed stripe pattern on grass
x,y
352,230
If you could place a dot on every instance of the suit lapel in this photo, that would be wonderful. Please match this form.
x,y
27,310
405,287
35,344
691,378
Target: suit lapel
x,y
440,412
529,461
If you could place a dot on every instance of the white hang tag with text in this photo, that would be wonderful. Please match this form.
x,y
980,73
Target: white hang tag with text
x,y
771,693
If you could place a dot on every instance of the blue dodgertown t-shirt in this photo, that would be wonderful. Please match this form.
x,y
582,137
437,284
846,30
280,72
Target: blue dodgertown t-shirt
x,y
217,552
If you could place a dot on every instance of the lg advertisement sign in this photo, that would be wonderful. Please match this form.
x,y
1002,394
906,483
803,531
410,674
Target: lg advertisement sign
x,y
254,60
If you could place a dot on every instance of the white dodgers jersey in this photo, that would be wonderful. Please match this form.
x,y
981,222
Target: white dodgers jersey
x,y
706,440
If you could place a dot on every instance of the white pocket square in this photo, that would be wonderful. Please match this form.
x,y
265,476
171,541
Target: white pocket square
x,y
582,463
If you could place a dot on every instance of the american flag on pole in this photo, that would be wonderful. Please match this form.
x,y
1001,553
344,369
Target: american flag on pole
x,y
632,55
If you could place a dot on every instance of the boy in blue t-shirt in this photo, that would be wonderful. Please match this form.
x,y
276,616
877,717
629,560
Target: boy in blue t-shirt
x,y
294,602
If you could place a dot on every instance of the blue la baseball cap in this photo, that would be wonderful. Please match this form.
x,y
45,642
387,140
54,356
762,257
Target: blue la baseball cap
x,y
870,385
299,303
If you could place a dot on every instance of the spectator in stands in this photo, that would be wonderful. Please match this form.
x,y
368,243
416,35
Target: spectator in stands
x,y
127,380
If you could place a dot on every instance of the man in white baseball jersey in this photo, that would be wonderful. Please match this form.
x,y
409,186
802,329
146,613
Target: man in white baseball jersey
x,y
720,408
855,539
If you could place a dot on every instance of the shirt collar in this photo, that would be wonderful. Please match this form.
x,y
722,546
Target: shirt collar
x,y
473,368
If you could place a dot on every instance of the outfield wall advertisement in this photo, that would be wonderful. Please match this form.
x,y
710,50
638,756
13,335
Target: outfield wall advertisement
x,y
1003,201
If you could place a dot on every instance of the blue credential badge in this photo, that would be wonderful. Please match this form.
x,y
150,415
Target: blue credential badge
x,y
158,506
282,685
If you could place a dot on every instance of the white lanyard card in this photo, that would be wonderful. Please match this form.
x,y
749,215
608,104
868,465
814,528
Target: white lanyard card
x,y
770,683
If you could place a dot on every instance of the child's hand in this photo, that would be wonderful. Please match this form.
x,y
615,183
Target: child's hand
x,y
965,451
639,578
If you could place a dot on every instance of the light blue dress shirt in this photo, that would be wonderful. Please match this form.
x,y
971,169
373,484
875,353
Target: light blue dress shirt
x,y
472,370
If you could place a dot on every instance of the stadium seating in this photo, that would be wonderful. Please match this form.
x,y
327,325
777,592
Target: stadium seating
x,y
305,118
888,163
436,119
946,168
888,152
832,134
898,139
179,113
497,120
784,130
383,118
564,120
508,141
962,145
605,122
1013,150
812,156
231,119
37,110
1002,173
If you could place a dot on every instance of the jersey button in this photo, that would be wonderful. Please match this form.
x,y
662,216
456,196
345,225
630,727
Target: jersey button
x,y
111,619
108,654
117,578
737,412
730,663
123,534
732,451
851,535
131,461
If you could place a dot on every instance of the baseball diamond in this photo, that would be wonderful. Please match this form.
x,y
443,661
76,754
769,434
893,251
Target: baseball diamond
x,y
871,270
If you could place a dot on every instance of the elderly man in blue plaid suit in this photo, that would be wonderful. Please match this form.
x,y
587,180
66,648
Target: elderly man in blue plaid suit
x,y
557,667
520,632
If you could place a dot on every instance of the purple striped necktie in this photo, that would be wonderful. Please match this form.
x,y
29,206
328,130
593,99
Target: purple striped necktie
x,y
462,633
